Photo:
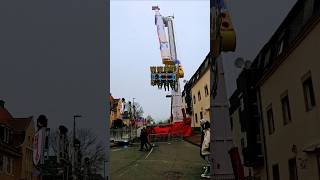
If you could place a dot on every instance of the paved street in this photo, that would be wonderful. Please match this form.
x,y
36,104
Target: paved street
x,y
178,160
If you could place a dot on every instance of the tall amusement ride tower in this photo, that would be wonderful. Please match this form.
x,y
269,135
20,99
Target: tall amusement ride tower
x,y
167,76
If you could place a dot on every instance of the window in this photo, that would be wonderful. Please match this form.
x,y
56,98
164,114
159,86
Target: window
x,y
286,114
2,133
267,58
196,117
270,120
280,44
206,91
7,165
194,99
308,94
5,134
241,104
280,47
308,10
241,119
275,172
241,108
201,115
1,163
293,169
199,96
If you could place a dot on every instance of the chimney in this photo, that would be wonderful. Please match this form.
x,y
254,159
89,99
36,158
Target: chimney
x,y
2,103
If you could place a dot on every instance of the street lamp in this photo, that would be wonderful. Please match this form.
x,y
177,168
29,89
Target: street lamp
x,y
104,169
74,145
74,126
134,109
171,115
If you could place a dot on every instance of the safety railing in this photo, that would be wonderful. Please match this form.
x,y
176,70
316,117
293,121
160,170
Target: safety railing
x,y
123,134
165,137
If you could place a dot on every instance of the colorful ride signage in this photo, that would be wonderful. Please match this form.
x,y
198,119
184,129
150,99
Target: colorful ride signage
x,y
164,76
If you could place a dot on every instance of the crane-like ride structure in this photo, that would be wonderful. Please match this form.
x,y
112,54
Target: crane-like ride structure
x,y
168,76
223,39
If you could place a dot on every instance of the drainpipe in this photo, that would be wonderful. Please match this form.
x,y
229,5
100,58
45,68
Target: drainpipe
x,y
263,131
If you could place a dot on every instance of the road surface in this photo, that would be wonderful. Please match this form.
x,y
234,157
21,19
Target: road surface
x,y
166,161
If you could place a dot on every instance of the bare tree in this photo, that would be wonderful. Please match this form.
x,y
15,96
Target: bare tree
x,y
90,146
53,141
138,110
149,118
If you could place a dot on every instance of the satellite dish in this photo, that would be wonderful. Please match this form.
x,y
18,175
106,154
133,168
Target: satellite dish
x,y
247,64
239,62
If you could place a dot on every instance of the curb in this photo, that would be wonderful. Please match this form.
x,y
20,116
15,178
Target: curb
x,y
192,142
114,145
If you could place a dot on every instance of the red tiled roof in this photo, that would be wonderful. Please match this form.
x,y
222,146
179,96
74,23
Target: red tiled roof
x,y
5,116
20,124
115,104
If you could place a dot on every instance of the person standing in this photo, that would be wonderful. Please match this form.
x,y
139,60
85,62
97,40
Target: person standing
x,y
202,121
205,149
142,139
147,142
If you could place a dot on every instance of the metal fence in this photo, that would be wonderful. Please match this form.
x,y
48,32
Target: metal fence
x,y
165,137
123,134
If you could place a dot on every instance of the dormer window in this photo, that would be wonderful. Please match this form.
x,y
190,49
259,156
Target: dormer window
x,y
281,43
5,134
280,47
267,58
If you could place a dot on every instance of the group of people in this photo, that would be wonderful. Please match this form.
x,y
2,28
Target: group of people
x,y
145,144
205,147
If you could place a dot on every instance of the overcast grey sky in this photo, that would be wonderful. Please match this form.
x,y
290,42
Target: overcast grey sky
x,y
53,56
53,60
255,21
135,47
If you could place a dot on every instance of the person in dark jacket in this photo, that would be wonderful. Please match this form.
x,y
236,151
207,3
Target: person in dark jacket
x,y
147,143
142,139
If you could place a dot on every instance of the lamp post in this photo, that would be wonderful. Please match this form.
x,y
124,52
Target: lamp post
x,y
134,109
74,126
104,171
171,115
74,146
133,116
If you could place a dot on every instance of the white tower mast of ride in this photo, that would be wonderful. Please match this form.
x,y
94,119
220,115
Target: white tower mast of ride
x,y
176,93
